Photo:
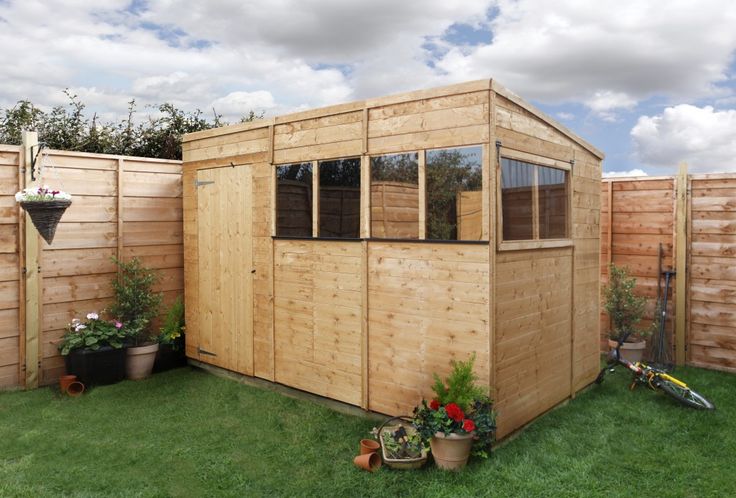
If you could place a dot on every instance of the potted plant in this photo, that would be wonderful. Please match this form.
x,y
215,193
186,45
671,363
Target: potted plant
x,y
171,339
94,350
45,207
401,444
459,419
626,310
136,305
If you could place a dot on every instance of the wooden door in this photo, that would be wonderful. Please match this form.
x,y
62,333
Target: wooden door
x,y
224,231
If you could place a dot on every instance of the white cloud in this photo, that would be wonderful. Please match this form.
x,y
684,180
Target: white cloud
x,y
607,53
566,116
240,103
703,137
618,174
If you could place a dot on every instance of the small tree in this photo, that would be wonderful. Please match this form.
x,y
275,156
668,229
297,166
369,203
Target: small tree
x,y
625,308
136,305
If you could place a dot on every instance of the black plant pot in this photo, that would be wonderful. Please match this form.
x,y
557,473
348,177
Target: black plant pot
x,y
169,358
97,367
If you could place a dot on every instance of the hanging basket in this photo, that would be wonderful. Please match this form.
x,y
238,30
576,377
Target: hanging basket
x,y
45,215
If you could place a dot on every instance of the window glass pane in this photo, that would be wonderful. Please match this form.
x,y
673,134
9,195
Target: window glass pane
x,y
454,194
516,199
395,196
294,200
339,198
552,203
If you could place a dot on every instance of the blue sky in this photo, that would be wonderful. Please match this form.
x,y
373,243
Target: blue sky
x,y
647,85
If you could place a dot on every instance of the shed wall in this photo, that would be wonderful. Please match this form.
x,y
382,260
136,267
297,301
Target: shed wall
x,y
368,321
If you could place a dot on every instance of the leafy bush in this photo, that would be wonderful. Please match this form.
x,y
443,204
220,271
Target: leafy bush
x,y
460,386
173,326
625,308
135,302
68,128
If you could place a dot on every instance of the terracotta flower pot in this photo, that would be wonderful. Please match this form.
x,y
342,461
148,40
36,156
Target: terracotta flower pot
x,y
64,382
75,389
368,446
369,461
630,351
451,452
139,361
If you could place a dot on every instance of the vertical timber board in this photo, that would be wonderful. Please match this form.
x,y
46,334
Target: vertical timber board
x,y
32,250
490,162
422,195
680,264
191,265
364,359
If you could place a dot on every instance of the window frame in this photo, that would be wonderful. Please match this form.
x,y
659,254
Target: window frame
x,y
422,178
535,242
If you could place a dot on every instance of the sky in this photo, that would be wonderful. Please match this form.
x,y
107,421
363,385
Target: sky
x,y
651,83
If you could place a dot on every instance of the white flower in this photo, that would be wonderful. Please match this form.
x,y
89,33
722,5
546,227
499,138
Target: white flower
x,y
79,327
92,316
75,321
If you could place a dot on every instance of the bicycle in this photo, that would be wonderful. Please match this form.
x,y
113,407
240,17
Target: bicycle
x,y
655,379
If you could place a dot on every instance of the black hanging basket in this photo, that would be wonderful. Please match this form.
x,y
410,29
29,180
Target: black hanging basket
x,y
45,215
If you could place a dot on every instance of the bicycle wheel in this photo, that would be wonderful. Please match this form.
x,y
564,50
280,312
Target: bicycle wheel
x,y
686,396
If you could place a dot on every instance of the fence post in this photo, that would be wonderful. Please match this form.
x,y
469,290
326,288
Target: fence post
x,y
30,240
681,264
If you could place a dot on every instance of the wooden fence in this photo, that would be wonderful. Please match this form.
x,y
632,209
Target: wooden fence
x,y
122,206
694,218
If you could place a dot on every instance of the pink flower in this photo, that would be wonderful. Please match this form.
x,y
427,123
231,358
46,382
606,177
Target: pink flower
x,y
118,325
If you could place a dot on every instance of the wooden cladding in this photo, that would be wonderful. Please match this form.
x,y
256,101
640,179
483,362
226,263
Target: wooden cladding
x,y
367,321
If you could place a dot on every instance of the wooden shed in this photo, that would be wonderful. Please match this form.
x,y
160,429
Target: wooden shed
x,y
351,251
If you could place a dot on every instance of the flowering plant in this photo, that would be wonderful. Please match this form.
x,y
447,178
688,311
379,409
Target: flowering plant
x,y
41,194
92,333
172,330
460,406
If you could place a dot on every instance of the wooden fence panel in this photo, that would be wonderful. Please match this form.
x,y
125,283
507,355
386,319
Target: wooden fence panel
x,y
635,220
10,336
76,270
643,215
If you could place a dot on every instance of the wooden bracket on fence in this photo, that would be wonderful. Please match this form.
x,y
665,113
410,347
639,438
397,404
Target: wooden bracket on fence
x,y
32,286
680,264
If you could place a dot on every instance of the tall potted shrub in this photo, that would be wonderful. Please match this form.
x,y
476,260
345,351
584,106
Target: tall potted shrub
x,y
626,310
93,350
136,305
459,419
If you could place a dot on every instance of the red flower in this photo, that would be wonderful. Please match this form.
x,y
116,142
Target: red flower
x,y
454,412
468,425
434,405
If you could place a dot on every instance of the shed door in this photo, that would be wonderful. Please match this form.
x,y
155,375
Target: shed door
x,y
224,228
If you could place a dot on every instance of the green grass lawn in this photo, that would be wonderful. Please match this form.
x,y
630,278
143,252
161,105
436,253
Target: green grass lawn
x,y
188,433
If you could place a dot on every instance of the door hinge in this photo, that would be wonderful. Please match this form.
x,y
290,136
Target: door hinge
x,y
202,351
199,183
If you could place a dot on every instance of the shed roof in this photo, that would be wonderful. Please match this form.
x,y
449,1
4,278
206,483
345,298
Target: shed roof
x,y
471,86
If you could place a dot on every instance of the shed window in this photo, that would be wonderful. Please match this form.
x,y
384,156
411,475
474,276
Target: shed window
x,y
294,200
339,198
534,201
454,194
395,196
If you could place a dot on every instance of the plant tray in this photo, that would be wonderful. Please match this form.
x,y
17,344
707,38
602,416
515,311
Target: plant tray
x,y
400,463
